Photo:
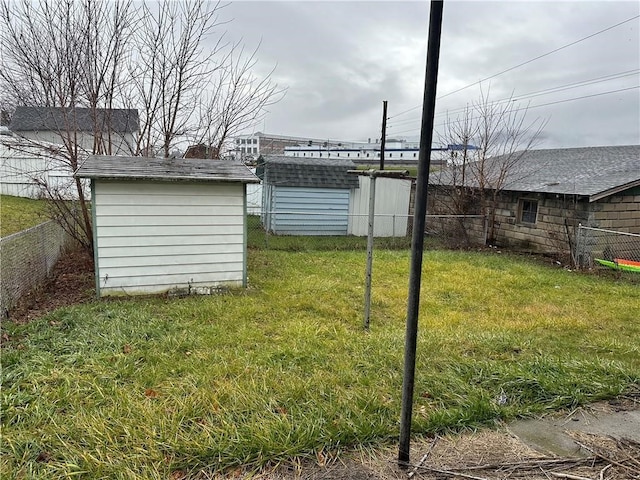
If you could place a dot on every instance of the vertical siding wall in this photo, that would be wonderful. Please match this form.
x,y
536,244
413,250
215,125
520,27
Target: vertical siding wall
x,y
22,173
307,211
391,207
254,197
28,171
18,174
156,236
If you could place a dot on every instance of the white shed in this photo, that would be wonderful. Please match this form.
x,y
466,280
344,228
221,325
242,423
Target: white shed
x,y
164,224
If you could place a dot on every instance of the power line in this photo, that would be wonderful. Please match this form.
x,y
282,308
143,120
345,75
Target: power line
x,y
525,63
546,91
536,106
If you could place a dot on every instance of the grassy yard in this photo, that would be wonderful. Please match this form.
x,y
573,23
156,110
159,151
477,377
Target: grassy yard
x,y
257,238
150,388
17,214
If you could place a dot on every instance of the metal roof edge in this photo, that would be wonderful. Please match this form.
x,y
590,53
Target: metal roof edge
x,y
614,190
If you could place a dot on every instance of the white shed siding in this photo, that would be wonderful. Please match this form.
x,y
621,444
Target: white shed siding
x,y
155,236
391,207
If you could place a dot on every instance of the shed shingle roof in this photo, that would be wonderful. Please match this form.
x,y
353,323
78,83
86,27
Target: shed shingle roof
x,y
594,172
143,168
310,172
29,119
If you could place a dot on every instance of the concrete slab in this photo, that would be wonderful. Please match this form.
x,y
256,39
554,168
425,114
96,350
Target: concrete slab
x,y
549,435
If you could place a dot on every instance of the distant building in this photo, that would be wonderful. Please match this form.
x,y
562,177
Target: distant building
x,y
256,144
202,151
398,151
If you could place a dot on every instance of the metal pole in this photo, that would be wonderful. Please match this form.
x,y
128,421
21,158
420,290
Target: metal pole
x,y
383,140
367,281
417,239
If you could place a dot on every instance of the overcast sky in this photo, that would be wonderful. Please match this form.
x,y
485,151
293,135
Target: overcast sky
x,y
340,60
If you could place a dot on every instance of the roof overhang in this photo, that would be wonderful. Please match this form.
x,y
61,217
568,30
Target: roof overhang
x,y
614,190
168,178
164,169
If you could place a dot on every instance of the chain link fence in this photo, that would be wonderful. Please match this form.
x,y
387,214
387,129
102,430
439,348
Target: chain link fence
x,y
305,231
598,247
26,260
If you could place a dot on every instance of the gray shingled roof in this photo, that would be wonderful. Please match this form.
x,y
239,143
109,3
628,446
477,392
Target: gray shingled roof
x,y
309,172
594,172
29,119
143,168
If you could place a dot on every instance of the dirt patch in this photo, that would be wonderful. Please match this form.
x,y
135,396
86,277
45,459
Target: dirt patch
x,y
483,455
71,282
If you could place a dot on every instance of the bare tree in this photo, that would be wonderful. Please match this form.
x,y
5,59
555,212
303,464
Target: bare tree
x,y
237,101
167,63
66,55
188,92
173,69
489,141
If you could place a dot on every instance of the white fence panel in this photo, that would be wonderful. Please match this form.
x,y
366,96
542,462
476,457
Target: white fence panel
x,y
391,207
26,169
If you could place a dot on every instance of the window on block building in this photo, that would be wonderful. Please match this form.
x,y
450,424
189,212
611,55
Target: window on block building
x,y
527,211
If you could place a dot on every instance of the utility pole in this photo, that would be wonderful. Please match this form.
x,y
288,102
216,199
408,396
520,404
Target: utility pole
x,y
417,239
384,133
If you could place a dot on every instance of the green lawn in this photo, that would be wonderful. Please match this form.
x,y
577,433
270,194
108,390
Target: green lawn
x,y
147,388
17,214
257,238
